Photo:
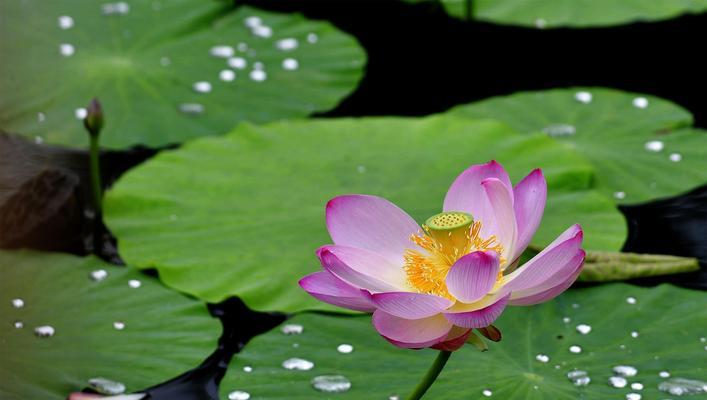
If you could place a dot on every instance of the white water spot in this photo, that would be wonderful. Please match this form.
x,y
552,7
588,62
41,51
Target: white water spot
x,y
540,23
238,395
258,75
664,374
620,195
331,383
583,97
227,75
242,47
134,283
543,358
202,87
566,320
253,21
634,334
579,377
487,393
299,364
258,65
654,146
191,109
38,140
98,275
618,382
559,130
247,369
631,300
344,348
119,325
290,64
19,324
65,22
262,31
287,44
41,117
626,371
675,157
637,386
575,305
119,8
292,329
80,113
44,331
312,38
633,396
67,49
574,349
165,61
682,386
106,386
583,329
361,169
640,102
394,397
237,62
18,303
222,51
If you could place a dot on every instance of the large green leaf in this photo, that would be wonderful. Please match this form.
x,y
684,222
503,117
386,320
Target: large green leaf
x,y
242,215
164,333
614,135
669,322
573,13
144,64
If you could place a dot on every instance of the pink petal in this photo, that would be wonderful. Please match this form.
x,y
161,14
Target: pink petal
x,y
369,263
544,265
410,305
530,195
558,279
466,193
346,273
479,318
372,223
411,333
499,217
329,289
548,294
473,276
456,338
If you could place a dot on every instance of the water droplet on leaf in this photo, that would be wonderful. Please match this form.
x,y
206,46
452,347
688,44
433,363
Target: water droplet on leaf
x,y
575,349
299,364
682,386
583,97
44,331
344,348
238,395
579,377
626,371
98,275
640,102
106,386
584,329
65,22
331,383
292,329
618,382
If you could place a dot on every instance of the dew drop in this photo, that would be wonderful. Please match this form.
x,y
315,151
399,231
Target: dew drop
x,y
583,329
258,75
41,117
165,61
290,64
119,8
134,283
654,146
675,157
253,21
262,31
44,331
98,275
617,382
331,383
238,395
640,102
633,396
299,364
237,62
312,38
682,386
18,303
344,348
637,386
703,340
394,397
287,44
579,377
292,329
202,87
65,22
540,23
626,371
566,320
634,334
38,140
559,130
361,169
664,374
487,393
66,49
247,369
227,75
191,109
19,324
242,47
620,195
631,300
575,349
575,305
583,97
106,386
543,358
222,51
119,325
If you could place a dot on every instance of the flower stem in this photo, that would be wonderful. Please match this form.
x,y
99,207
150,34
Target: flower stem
x,y
95,171
431,375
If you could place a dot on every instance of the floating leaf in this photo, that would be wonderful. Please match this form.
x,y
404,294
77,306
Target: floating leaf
x,y
158,68
242,215
572,13
110,326
531,362
641,146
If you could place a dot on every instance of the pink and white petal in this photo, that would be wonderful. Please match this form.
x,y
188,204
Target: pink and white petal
x,y
410,305
499,216
346,273
484,302
473,276
371,223
547,294
411,333
466,194
479,318
556,279
529,197
326,287
369,263
546,263
456,338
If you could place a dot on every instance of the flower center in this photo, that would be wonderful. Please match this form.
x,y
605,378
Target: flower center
x,y
446,237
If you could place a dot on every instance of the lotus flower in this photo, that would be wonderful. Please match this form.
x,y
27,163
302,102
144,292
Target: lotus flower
x,y
430,286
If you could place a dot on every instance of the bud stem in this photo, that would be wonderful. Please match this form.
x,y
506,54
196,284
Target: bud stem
x,y
96,176
431,375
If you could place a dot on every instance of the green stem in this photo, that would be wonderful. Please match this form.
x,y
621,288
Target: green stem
x,y
431,375
96,176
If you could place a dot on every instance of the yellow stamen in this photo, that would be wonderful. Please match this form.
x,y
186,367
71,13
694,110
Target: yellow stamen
x,y
445,238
